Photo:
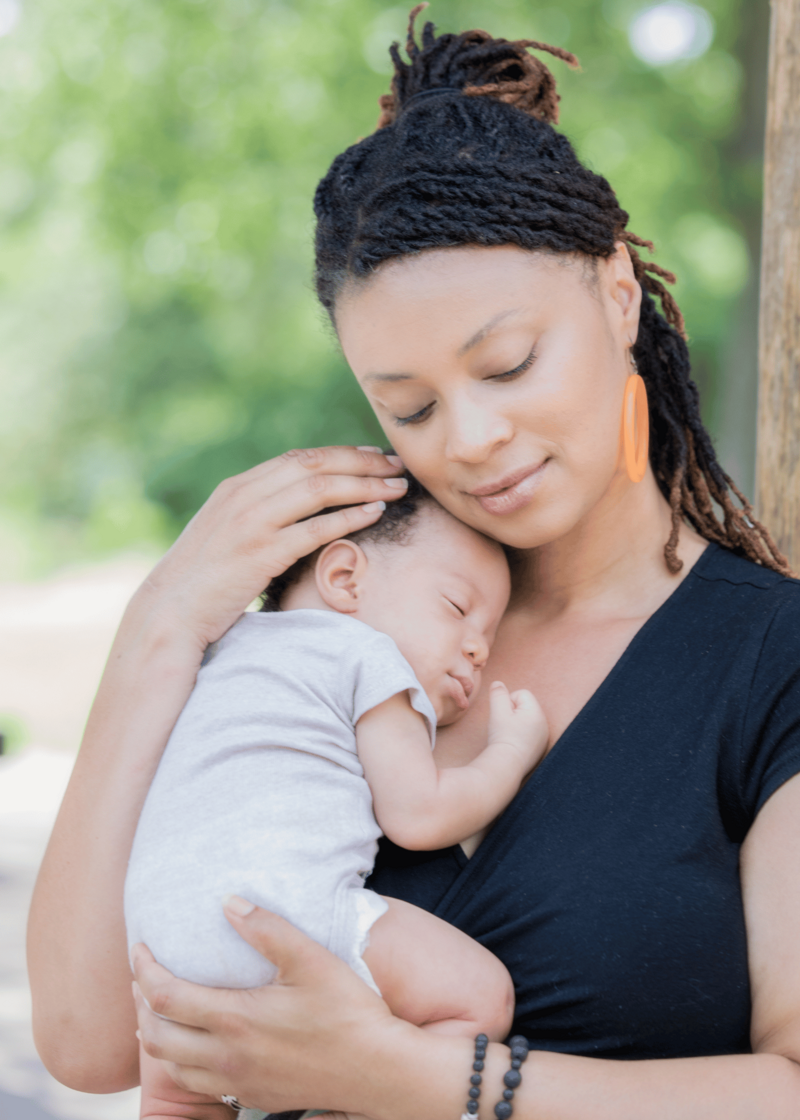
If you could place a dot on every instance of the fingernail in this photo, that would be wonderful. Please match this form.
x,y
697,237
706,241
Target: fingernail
x,y
138,993
139,1035
397,483
395,460
237,905
377,449
373,507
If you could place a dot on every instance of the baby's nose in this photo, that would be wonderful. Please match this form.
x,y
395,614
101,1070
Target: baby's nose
x,y
477,650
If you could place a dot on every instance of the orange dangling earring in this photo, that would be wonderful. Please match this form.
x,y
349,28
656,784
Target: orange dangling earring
x,y
635,426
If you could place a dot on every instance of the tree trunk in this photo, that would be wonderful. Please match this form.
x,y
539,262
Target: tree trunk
x,y
778,455
732,415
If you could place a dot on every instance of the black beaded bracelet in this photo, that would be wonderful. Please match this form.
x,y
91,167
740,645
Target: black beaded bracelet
x,y
471,1111
512,1080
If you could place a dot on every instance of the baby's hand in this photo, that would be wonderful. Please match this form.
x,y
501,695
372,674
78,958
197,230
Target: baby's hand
x,y
517,720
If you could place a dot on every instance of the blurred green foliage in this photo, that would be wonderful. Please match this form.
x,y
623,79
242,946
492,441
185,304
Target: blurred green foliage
x,y
14,734
158,328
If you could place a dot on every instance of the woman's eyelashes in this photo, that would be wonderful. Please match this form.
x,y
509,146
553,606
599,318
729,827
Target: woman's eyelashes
x,y
416,417
509,375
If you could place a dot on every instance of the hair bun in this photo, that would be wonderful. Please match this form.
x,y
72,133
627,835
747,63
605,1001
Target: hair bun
x,y
477,65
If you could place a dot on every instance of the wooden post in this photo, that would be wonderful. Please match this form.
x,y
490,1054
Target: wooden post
x,y
778,449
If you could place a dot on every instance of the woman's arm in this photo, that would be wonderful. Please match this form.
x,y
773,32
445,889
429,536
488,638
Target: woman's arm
x,y
245,534
320,1038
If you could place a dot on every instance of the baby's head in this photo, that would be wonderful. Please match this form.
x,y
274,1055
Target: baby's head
x,y
435,586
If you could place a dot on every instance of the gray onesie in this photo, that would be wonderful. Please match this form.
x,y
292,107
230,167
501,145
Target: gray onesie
x,y
260,792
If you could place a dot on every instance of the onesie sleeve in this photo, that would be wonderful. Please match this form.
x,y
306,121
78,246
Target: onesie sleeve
x,y
379,672
771,733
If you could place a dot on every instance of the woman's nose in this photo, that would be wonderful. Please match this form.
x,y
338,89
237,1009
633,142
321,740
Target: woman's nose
x,y
473,432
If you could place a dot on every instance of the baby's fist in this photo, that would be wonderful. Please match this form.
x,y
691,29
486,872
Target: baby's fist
x,y
517,719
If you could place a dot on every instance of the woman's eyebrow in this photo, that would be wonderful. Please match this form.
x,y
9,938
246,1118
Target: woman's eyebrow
x,y
389,377
487,328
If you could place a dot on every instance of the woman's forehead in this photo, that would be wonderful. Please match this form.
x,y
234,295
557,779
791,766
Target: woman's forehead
x,y
451,299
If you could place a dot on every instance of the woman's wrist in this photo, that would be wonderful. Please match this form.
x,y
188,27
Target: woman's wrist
x,y
158,621
415,1073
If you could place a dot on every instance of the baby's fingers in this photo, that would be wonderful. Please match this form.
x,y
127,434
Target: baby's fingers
x,y
504,702
499,700
524,700
517,718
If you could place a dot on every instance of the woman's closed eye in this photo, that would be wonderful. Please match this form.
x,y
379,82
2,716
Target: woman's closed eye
x,y
509,375
416,417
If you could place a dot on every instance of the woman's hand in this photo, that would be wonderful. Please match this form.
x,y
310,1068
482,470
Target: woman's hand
x,y
286,1046
250,530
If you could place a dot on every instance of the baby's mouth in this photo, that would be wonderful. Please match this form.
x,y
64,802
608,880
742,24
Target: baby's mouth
x,y
460,689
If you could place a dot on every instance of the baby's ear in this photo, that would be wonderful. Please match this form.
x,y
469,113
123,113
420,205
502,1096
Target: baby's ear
x,y
339,574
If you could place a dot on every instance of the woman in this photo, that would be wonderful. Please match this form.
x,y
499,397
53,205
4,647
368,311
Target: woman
x,y
644,887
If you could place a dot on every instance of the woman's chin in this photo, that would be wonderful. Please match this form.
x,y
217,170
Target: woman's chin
x,y
543,520
526,530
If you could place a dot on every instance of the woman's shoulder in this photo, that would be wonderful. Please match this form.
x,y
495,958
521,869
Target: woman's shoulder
x,y
721,565
737,592
752,617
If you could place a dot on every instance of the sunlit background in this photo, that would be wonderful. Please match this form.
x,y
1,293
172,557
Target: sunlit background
x,y
158,329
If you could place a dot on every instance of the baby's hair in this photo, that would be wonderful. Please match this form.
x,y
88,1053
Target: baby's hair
x,y
394,526
465,153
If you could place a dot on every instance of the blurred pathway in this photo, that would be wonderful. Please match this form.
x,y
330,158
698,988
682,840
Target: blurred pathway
x,y
54,638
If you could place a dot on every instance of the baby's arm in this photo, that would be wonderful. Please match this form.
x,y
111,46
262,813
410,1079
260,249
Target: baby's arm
x,y
420,807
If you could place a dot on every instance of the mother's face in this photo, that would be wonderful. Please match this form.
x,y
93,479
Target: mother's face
x,y
498,376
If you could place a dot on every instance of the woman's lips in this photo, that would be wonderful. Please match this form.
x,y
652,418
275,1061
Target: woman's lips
x,y
511,493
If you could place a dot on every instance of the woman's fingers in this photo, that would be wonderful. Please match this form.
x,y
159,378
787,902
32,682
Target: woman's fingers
x,y
196,1079
296,956
301,462
319,491
165,1039
307,536
167,997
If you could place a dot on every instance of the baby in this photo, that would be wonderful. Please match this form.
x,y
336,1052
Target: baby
x,y
308,734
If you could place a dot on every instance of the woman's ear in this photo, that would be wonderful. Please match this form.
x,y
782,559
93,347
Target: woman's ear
x,y
625,291
339,575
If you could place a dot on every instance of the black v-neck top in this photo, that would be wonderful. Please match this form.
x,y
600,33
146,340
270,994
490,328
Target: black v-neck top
x,y
610,886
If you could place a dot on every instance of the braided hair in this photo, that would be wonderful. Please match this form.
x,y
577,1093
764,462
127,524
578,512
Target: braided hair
x,y
465,153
